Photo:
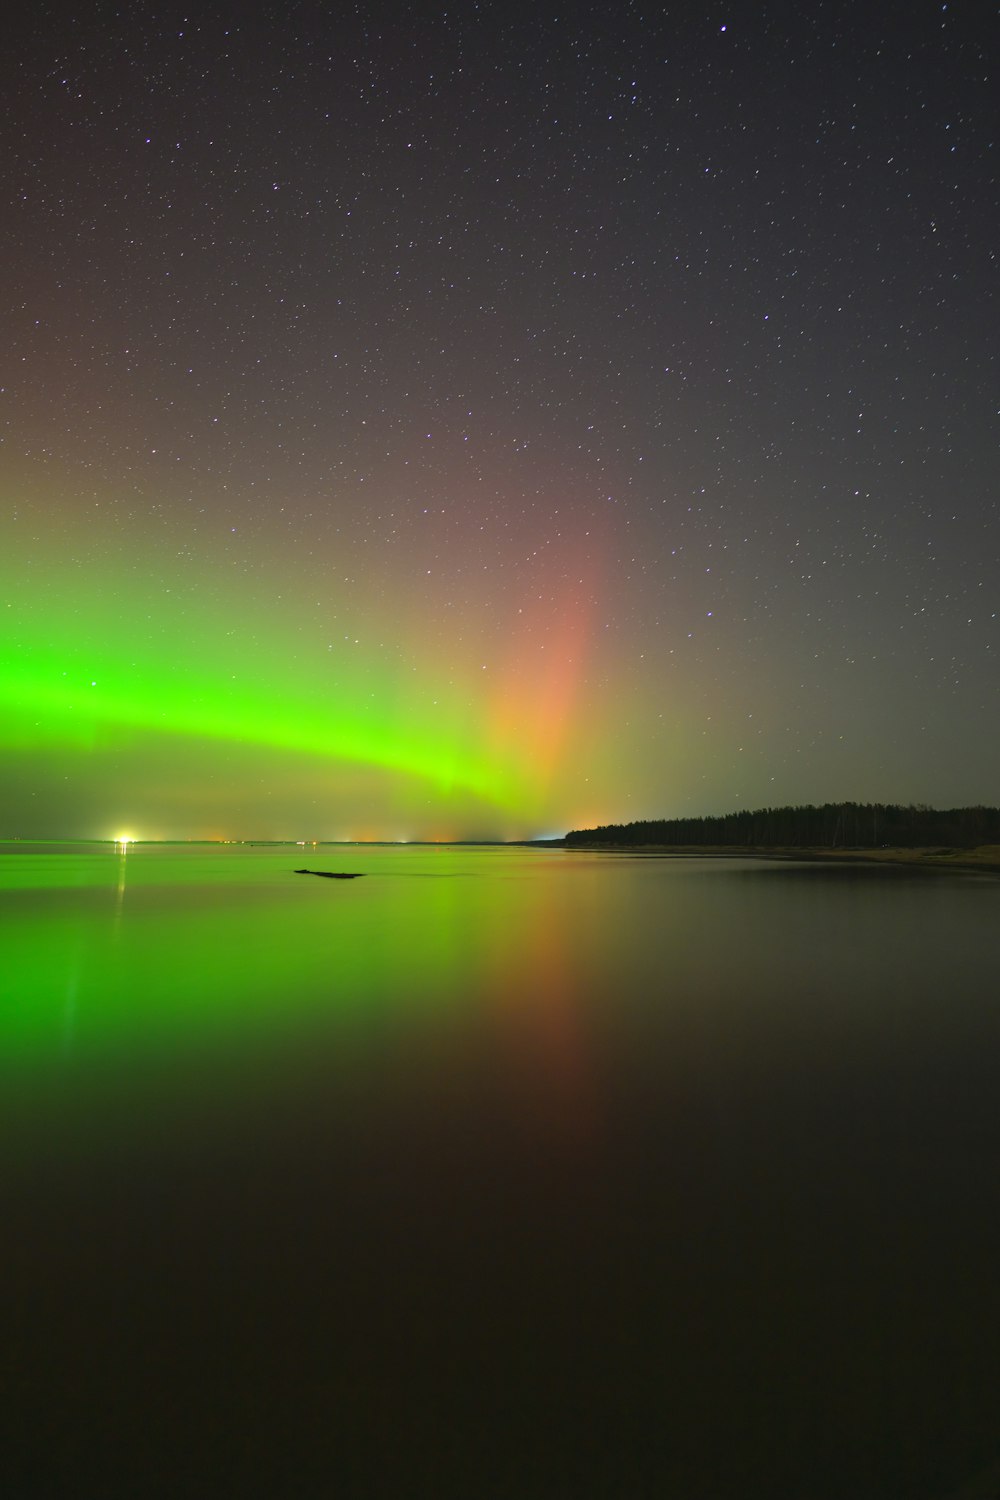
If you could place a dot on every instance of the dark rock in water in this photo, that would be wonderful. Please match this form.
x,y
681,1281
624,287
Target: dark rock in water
x,y
329,874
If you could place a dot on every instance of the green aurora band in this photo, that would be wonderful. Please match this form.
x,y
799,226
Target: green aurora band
x,y
103,658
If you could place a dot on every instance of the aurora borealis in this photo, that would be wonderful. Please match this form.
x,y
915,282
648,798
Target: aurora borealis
x,y
425,423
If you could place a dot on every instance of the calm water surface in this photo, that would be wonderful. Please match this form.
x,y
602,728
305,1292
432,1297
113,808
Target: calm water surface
x,y
496,1173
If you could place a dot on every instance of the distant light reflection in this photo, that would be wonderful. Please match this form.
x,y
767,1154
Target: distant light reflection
x,y
121,843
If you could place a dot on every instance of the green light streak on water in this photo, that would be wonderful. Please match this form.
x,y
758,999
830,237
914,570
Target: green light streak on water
x,y
173,949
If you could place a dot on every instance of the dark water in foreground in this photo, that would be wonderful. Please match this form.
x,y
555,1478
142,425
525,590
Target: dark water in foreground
x,y
496,1173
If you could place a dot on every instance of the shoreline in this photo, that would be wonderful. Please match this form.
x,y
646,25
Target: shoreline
x,y
985,859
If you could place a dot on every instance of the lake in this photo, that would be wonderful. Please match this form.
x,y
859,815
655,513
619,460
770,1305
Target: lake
x,y
497,1172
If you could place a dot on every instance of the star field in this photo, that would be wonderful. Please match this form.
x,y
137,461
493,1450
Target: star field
x,y
485,421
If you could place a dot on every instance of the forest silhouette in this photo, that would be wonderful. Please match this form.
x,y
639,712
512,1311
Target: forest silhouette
x,y
834,825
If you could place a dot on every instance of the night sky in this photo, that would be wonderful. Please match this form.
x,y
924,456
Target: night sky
x,y
426,422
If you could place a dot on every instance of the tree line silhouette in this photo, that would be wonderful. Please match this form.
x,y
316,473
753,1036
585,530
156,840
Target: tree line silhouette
x,y
834,825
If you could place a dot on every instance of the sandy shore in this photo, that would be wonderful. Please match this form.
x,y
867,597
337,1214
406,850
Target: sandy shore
x,y
985,858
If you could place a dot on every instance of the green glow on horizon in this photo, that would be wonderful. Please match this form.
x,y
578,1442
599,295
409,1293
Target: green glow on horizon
x,y
76,702
172,680
97,663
